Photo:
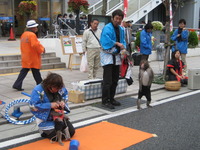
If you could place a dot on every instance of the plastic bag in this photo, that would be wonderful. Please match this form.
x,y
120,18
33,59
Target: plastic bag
x,y
84,65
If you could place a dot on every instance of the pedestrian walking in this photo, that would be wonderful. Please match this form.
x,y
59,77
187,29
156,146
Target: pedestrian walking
x,y
91,45
180,36
146,76
31,51
112,41
145,41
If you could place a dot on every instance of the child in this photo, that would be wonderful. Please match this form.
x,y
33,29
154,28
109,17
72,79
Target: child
x,y
146,76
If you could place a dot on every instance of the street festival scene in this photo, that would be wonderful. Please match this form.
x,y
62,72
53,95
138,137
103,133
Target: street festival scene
x,y
99,74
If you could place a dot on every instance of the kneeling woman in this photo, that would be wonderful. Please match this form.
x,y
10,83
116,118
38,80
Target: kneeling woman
x,y
45,97
175,68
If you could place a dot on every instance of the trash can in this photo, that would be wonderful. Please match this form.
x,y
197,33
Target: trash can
x,y
160,51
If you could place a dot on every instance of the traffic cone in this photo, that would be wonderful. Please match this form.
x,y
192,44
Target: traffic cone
x,y
12,37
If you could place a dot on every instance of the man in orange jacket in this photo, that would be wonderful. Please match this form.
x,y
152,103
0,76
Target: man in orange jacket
x,y
31,51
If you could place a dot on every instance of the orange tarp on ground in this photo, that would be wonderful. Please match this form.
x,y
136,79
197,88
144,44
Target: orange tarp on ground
x,y
99,136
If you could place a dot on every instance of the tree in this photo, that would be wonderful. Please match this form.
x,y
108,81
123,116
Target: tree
x,y
104,7
176,4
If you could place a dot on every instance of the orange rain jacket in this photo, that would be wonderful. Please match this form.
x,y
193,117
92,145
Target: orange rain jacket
x,y
31,50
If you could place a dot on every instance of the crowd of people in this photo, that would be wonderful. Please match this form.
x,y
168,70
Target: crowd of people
x,y
49,98
67,22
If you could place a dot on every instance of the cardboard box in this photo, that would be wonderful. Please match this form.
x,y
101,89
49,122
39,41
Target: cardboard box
x,y
76,96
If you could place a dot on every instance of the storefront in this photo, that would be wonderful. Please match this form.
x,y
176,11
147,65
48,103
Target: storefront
x,y
47,11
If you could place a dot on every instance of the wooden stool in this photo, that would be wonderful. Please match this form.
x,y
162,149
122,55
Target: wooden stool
x,y
172,85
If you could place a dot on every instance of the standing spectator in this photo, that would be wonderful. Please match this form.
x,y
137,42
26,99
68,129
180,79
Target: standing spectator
x,y
31,51
180,36
145,41
92,46
128,34
59,21
146,76
64,24
112,41
71,21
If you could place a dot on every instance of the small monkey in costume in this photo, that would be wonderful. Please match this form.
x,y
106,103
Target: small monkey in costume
x,y
146,76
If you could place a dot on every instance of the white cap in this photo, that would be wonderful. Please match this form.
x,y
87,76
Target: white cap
x,y
31,24
127,20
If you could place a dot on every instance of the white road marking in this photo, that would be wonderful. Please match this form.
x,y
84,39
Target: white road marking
x,y
90,121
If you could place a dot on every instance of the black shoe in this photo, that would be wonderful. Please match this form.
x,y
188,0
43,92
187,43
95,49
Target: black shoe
x,y
115,103
108,105
18,89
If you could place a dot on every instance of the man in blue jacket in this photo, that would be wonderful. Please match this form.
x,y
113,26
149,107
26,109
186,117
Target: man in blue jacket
x,y
112,41
180,36
145,41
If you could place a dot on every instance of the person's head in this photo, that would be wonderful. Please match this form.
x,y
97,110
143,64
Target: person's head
x,y
176,54
182,23
94,24
144,64
53,82
59,16
84,17
65,16
127,22
70,16
117,17
143,22
32,25
148,27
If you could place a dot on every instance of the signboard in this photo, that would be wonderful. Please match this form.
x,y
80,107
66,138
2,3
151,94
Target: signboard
x,y
72,44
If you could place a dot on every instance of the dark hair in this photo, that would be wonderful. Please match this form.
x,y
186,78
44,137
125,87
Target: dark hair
x,y
53,80
94,20
148,26
59,15
118,12
146,64
64,15
182,21
173,54
70,15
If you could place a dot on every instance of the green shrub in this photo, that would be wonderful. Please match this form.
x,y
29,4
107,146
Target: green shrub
x,y
193,39
157,25
137,41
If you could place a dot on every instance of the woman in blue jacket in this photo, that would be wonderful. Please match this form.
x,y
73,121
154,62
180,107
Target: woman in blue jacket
x,y
180,36
145,41
48,95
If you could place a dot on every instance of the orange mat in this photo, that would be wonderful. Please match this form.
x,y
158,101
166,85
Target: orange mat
x,y
99,136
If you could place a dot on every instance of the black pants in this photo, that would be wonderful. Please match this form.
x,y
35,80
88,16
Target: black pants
x,y
22,75
110,81
146,92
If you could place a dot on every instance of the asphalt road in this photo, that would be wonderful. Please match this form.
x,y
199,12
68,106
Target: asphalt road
x,y
176,123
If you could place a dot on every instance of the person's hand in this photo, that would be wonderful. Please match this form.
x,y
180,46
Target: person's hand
x,y
178,35
180,76
120,45
62,104
54,105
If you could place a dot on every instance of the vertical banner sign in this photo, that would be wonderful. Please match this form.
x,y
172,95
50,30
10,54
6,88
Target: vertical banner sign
x,y
171,15
125,7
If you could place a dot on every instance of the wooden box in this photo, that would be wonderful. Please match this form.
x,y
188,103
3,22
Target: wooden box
x,y
76,96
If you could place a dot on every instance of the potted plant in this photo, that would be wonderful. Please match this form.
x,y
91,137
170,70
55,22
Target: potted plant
x,y
27,8
78,6
157,29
